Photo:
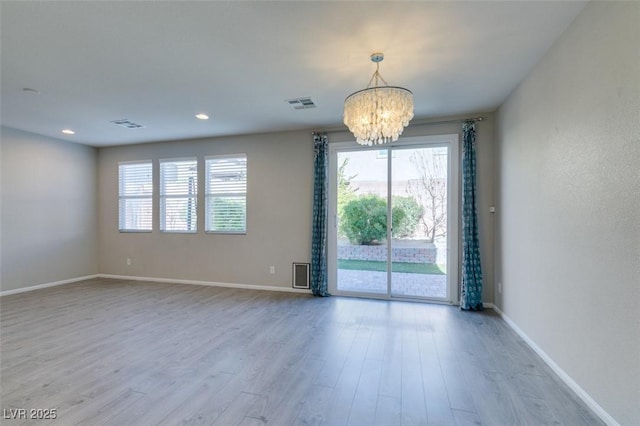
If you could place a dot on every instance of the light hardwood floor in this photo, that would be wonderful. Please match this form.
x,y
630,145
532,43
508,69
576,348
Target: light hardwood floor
x,y
133,353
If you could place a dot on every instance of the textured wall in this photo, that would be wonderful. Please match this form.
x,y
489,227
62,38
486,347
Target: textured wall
x,y
49,209
278,214
568,233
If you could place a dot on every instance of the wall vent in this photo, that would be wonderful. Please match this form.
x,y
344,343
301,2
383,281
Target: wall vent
x,y
301,275
127,124
301,103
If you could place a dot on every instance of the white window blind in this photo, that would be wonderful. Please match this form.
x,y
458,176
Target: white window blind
x,y
226,194
178,195
135,189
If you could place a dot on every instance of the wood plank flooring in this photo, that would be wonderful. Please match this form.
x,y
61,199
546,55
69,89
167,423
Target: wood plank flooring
x,y
112,352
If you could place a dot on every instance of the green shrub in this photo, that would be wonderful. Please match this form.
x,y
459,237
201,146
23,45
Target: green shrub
x,y
227,214
365,219
346,193
412,214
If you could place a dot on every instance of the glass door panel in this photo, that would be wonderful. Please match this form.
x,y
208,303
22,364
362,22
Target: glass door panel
x,y
361,221
419,194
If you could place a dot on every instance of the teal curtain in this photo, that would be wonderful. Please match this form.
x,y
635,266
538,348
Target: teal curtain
x,y
471,288
320,213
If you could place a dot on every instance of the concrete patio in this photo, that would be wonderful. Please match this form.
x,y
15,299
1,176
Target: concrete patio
x,y
403,284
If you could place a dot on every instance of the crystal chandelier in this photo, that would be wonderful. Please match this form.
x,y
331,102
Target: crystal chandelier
x,y
378,114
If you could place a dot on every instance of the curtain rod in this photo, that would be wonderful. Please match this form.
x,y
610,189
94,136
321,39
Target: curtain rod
x,y
428,123
458,120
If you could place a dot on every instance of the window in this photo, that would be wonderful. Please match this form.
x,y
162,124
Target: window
x,y
226,194
178,195
135,189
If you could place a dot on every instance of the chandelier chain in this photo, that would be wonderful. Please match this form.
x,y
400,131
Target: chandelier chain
x,y
376,75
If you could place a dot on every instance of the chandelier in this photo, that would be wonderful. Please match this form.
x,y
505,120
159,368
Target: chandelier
x,y
378,114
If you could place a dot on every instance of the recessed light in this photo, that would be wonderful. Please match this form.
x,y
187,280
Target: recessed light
x,y
68,132
202,116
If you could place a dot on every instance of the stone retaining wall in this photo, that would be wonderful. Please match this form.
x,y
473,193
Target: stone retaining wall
x,y
379,253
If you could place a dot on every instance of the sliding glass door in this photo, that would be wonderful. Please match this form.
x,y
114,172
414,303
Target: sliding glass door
x,y
395,220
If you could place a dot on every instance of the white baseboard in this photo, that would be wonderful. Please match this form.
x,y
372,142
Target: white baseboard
x,y
39,286
207,283
161,280
591,403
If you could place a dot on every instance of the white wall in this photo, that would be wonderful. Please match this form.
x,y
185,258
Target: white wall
x,y
48,210
568,221
280,183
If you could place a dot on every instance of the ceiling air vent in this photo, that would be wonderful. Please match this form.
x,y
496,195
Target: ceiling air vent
x,y
301,103
127,124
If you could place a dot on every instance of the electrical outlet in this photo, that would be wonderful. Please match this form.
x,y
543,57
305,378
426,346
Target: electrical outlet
x,y
128,261
272,270
500,287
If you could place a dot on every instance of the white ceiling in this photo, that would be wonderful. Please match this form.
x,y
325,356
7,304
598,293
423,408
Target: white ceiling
x,y
158,63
